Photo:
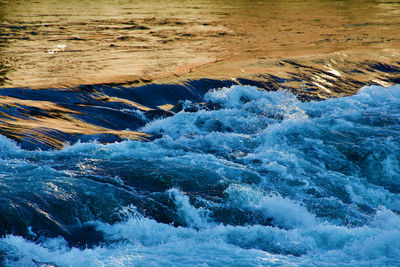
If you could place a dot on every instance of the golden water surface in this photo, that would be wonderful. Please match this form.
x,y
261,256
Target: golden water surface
x,y
50,43
321,48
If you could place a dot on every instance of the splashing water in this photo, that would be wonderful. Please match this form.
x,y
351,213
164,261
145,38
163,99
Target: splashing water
x,y
258,179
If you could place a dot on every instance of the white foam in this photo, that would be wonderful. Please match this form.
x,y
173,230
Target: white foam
x,y
142,242
291,162
194,217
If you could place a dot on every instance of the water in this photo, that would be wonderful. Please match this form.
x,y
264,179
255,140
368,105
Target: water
x,y
249,178
199,133
48,43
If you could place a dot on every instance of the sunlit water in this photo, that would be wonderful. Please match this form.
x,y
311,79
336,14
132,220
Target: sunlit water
x,y
49,43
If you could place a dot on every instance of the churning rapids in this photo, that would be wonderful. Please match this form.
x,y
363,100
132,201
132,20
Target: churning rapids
x,y
247,177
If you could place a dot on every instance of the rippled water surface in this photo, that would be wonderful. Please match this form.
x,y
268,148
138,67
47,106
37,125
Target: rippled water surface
x,y
188,133
49,43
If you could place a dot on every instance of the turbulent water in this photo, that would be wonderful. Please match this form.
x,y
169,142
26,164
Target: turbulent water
x,y
239,177
199,133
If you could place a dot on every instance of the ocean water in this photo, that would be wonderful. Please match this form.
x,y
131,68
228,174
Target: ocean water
x,y
244,177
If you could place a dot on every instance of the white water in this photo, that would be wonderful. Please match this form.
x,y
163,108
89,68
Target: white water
x,y
322,179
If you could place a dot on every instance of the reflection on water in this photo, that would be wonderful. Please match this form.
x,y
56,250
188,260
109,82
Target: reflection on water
x,y
107,59
3,45
61,44
103,41
3,73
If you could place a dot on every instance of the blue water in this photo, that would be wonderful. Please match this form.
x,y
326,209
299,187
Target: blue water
x,y
260,179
